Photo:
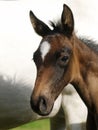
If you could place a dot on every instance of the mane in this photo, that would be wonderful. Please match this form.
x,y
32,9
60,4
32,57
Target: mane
x,y
57,28
90,43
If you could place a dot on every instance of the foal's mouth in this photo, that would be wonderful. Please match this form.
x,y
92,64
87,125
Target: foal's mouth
x,y
41,106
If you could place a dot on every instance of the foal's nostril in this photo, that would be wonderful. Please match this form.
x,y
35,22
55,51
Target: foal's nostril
x,y
42,104
39,105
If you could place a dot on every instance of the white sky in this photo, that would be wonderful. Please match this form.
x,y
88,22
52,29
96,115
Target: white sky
x,y
18,41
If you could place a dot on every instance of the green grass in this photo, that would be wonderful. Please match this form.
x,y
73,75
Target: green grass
x,y
37,125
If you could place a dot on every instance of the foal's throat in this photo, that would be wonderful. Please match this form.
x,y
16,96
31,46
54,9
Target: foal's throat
x,y
86,79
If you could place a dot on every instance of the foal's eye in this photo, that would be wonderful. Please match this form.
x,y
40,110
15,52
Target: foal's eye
x,y
63,60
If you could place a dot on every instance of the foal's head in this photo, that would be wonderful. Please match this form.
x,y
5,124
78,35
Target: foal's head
x,y
53,60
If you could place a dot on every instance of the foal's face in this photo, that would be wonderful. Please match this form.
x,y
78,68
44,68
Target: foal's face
x,y
53,62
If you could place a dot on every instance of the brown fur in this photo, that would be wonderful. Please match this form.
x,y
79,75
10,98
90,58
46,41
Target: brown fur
x,y
68,61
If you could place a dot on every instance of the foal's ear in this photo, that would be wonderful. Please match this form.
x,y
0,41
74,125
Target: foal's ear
x,y
40,28
67,20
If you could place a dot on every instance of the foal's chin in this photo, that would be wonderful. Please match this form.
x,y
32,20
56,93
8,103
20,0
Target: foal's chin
x,y
45,112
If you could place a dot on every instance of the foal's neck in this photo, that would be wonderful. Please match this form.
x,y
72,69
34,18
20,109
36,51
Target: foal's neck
x,y
85,73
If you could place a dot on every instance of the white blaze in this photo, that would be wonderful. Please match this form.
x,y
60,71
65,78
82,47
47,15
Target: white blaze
x,y
44,49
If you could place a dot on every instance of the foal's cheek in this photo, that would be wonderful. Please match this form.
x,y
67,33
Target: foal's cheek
x,y
57,78
59,81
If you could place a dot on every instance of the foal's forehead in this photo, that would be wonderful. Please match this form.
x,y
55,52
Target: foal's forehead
x,y
45,48
51,44
47,44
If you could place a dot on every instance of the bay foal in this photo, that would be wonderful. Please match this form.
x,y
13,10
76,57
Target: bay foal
x,y
63,58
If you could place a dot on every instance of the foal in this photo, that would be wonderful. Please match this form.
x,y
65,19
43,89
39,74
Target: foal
x,y
63,58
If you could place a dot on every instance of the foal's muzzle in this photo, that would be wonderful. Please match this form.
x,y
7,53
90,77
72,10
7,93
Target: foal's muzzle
x,y
41,105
